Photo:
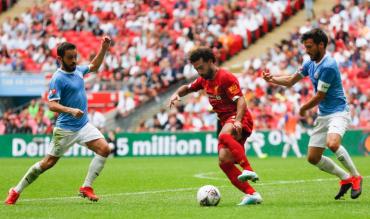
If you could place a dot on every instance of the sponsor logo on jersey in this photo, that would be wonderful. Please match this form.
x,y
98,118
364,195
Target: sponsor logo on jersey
x,y
211,96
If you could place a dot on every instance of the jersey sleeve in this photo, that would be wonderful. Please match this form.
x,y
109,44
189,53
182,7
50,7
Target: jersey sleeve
x,y
303,70
84,69
196,85
231,86
326,79
55,88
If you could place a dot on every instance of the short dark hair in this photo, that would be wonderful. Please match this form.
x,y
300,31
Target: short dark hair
x,y
204,53
317,35
63,47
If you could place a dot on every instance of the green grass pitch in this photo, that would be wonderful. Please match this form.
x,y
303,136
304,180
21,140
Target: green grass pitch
x,y
166,188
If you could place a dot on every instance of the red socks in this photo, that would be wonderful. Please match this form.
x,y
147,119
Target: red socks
x,y
236,149
232,173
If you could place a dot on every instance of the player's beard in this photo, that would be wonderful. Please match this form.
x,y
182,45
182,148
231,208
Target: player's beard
x,y
315,57
69,68
209,74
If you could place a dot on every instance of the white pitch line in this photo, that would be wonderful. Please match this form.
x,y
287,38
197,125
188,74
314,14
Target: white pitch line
x,y
279,182
114,194
182,189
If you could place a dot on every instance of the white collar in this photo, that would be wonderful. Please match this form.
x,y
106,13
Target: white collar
x,y
323,58
66,72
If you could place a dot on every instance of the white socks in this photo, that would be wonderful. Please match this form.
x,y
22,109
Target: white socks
x,y
31,175
346,160
96,166
328,165
286,149
295,148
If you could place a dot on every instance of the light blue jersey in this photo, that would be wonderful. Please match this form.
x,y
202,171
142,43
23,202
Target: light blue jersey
x,y
69,89
325,77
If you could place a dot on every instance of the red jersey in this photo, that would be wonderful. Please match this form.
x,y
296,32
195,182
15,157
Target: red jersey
x,y
222,91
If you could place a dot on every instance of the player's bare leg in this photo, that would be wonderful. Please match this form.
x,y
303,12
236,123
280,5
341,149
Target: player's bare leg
x,y
31,175
326,164
334,143
101,148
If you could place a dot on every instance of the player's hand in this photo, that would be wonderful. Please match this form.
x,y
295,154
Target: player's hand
x,y
238,127
106,41
77,113
302,112
174,98
267,75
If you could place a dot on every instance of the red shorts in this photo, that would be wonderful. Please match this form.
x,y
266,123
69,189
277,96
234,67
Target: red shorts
x,y
247,126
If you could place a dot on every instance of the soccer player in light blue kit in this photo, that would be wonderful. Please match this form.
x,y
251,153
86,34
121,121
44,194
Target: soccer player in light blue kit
x,y
333,116
67,96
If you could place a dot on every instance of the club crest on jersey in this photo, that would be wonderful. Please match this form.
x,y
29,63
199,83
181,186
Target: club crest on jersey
x,y
233,89
53,91
316,75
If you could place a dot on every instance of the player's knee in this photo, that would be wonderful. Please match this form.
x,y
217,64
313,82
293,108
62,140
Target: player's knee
x,y
224,157
222,160
313,159
104,150
47,163
333,144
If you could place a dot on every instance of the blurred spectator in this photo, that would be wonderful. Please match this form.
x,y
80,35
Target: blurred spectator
x,y
173,124
125,104
33,108
310,13
97,119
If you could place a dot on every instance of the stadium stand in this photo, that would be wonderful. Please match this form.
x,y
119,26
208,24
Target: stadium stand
x,y
5,5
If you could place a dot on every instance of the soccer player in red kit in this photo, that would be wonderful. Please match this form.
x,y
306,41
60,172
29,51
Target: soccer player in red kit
x,y
227,100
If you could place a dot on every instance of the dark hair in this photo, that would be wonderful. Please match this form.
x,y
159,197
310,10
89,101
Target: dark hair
x,y
63,47
202,53
317,35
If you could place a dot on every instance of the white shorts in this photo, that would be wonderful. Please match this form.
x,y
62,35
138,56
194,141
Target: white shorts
x,y
334,123
64,139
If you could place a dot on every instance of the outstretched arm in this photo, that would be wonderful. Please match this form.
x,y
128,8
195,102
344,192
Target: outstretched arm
x,y
180,92
284,80
98,59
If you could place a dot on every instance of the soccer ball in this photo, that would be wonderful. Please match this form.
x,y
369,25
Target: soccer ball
x,y
208,196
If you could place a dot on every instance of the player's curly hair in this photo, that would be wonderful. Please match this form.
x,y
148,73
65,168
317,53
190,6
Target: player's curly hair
x,y
317,35
63,47
204,53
